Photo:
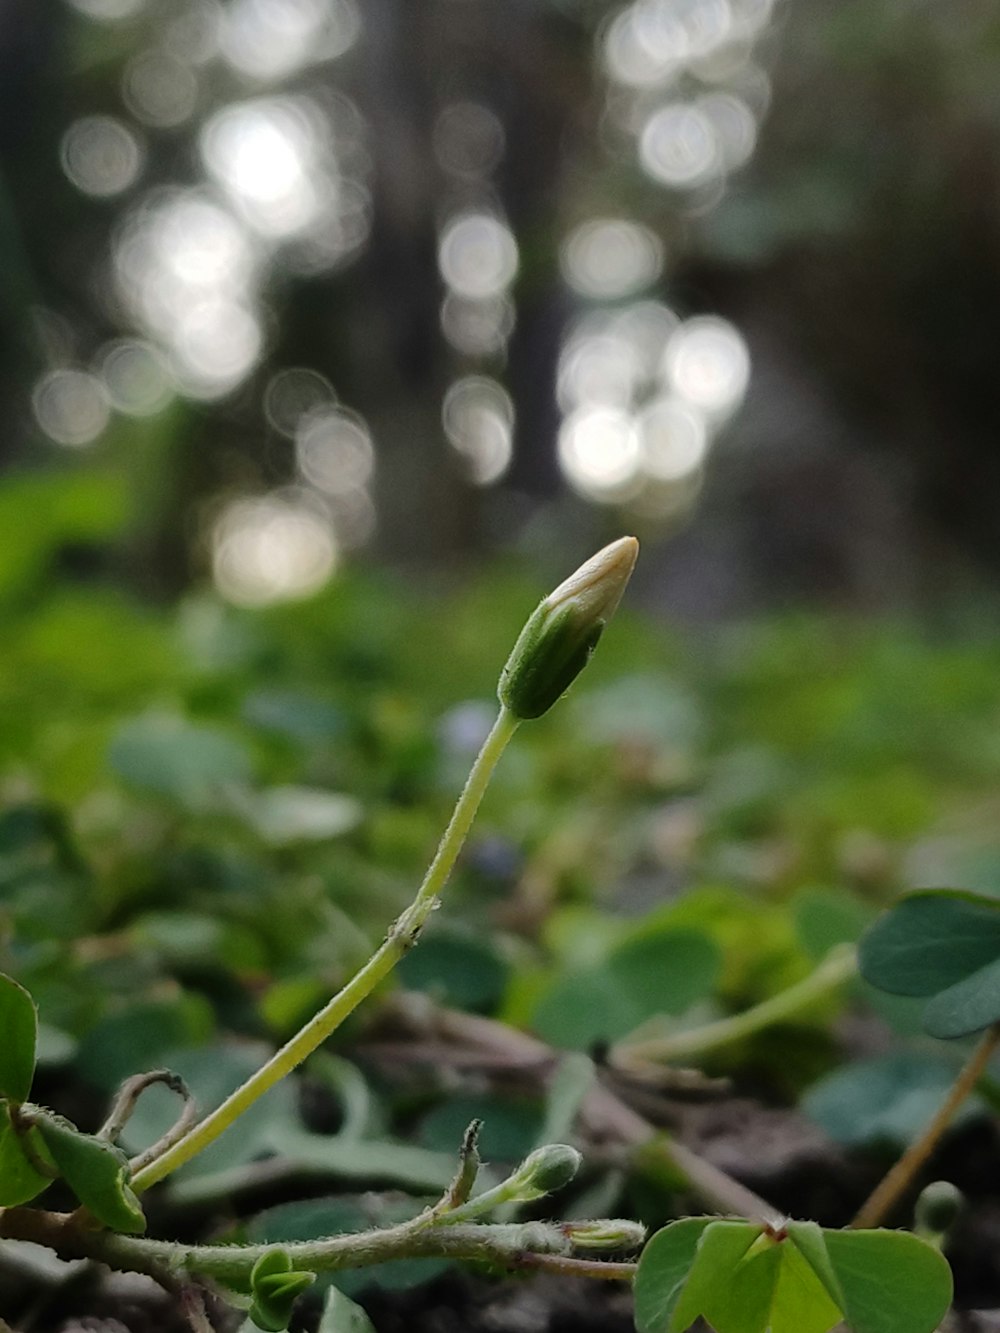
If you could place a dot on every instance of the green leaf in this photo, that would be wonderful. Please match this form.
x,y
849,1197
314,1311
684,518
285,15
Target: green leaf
x,y
968,1006
96,1172
19,1180
275,1286
741,1278
943,944
773,1288
19,1026
663,1269
930,940
892,1281
707,1290
342,1315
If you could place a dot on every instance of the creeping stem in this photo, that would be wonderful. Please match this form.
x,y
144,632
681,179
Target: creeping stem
x,y
400,938
837,967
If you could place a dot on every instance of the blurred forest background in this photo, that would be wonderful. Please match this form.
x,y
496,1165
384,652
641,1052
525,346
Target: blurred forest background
x,y
321,278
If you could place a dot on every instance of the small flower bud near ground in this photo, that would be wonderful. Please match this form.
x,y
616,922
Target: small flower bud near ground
x,y
543,1171
607,1233
562,632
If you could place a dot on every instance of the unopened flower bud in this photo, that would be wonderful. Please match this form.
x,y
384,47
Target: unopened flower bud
x,y
562,632
605,1233
543,1171
937,1208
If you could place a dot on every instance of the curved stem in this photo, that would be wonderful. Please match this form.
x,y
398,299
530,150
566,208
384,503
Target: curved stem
x,y
893,1185
401,937
839,964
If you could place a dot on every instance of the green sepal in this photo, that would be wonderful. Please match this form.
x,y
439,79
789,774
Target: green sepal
x,y
19,1026
95,1170
550,652
275,1285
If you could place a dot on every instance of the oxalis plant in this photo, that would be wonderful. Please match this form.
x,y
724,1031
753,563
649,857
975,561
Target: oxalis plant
x,y
742,1274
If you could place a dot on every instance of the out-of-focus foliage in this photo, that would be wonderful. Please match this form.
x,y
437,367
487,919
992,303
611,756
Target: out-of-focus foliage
x,y
210,816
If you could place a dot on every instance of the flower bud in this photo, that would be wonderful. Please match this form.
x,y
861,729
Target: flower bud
x,y
937,1208
562,632
543,1171
605,1233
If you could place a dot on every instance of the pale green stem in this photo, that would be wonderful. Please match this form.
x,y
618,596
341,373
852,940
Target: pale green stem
x,y
400,938
838,965
892,1186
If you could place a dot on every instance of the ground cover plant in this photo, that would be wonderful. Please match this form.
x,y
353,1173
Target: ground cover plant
x,y
203,838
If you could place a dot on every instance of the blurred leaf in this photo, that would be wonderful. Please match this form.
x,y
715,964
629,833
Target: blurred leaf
x,y
888,1099
140,1037
168,756
19,1025
342,1315
573,1079
287,815
212,1073
300,717
827,917
40,511
195,940
19,1180
510,1129
661,971
943,944
456,967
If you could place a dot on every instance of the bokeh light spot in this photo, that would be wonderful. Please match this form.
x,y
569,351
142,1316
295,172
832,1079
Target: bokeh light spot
x,y
272,39
600,452
478,255
334,450
71,406
608,258
707,363
101,156
478,419
477,328
469,139
597,367
294,393
136,377
674,439
264,153
678,146
159,89
272,548
109,11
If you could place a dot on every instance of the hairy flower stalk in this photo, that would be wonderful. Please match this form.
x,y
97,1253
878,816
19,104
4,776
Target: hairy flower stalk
x,y
552,649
